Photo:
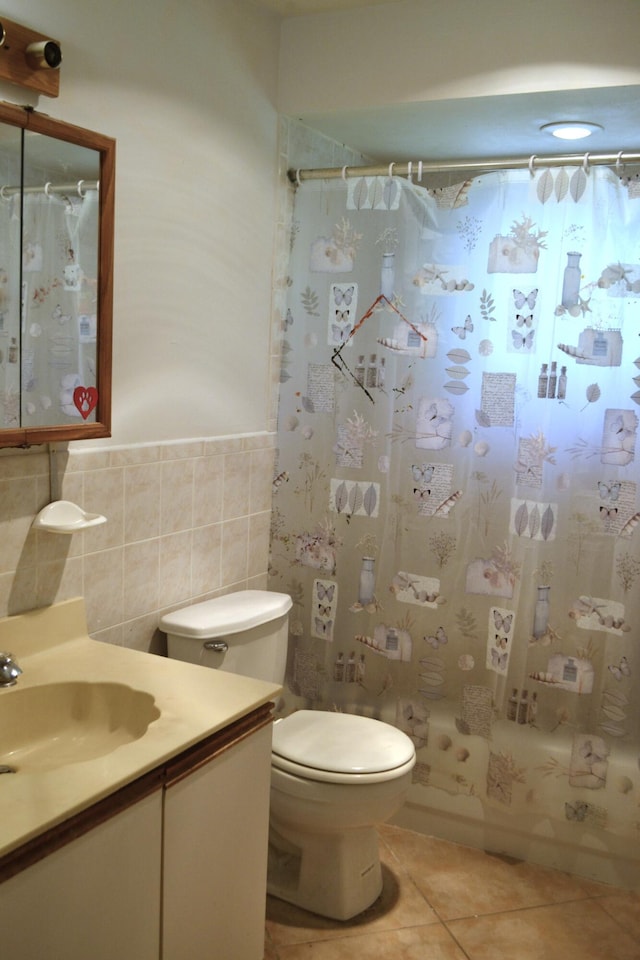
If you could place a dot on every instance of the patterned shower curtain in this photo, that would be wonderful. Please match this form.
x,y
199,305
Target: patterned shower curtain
x,y
455,505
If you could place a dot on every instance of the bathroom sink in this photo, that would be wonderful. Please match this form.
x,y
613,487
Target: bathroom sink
x,y
49,726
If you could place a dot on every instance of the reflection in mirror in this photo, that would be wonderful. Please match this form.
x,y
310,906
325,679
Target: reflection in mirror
x,y
56,252
10,226
60,213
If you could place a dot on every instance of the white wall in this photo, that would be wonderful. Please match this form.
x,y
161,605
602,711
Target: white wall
x,y
188,89
418,51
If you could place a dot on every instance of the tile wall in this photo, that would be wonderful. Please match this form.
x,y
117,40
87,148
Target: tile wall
x,y
186,521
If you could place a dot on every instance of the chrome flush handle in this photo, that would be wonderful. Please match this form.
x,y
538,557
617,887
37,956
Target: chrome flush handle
x,y
218,646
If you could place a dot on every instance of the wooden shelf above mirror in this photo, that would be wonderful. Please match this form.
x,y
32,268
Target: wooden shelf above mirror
x,y
14,65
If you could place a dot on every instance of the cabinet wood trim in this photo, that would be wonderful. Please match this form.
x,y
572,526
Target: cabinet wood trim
x,y
207,750
165,775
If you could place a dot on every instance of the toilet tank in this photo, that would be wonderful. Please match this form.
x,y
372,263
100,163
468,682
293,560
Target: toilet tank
x,y
250,627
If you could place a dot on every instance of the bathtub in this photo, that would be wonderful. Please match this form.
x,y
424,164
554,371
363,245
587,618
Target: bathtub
x,y
521,793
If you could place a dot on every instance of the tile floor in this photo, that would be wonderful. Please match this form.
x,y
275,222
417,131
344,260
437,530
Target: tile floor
x,y
442,901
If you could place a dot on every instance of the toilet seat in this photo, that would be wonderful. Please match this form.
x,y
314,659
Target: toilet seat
x,y
340,748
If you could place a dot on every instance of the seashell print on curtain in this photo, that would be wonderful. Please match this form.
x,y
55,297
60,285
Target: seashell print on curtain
x,y
458,423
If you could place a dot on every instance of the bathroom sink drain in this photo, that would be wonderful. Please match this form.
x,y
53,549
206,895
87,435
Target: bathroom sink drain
x,y
6,769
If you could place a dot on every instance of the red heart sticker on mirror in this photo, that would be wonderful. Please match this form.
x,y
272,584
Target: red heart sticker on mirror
x,y
85,399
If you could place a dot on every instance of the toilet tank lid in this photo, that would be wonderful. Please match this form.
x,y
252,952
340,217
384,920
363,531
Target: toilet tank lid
x,y
228,614
341,742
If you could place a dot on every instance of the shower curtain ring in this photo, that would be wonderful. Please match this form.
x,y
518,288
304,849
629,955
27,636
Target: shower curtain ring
x,y
532,160
81,193
344,173
47,188
298,181
619,165
419,171
410,171
585,163
391,166
3,195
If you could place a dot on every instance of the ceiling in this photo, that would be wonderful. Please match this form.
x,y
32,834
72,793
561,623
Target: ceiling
x,y
483,127
475,127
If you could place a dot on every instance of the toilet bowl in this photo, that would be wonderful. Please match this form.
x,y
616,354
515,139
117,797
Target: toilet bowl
x,y
334,776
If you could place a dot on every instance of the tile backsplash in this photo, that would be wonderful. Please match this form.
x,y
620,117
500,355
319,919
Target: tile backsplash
x,y
185,521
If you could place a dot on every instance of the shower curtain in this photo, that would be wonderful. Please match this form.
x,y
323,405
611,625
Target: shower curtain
x,y
455,506
48,327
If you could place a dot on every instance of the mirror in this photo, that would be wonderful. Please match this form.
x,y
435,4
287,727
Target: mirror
x,y
56,266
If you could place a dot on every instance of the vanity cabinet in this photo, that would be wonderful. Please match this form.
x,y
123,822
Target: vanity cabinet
x,y
172,867
96,897
216,823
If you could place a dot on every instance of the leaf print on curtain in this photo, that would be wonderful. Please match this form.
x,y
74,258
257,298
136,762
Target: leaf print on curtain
x,y
498,471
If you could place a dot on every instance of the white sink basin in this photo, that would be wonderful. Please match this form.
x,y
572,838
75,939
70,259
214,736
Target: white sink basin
x,y
53,725
88,718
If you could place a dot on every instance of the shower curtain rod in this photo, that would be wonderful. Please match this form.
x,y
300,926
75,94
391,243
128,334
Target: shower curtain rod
x,y
79,187
420,167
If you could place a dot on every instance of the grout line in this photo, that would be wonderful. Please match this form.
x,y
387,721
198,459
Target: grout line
x,y
457,943
449,925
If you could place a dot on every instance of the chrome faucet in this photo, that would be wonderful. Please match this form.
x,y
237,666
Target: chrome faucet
x,y
9,670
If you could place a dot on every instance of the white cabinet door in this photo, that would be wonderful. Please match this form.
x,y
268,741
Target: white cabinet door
x,y
215,856
97,898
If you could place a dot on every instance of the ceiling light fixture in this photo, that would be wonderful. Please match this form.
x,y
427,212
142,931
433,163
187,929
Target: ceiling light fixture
x,y
571,129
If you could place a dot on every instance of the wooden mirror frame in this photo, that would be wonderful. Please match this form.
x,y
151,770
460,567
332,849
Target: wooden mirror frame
x,y
28,120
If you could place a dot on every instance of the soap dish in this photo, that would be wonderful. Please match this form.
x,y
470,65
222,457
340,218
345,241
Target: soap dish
x,y
63,516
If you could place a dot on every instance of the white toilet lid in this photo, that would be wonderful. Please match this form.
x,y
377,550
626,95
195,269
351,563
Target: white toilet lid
x,y
340,742
226,615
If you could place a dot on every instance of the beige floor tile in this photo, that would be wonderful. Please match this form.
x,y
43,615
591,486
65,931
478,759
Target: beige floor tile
x,y
625,908
411,943
399,905
580,930
462,882
491,908
270,952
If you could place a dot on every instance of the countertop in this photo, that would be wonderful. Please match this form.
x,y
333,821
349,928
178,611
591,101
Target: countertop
x,y
52,645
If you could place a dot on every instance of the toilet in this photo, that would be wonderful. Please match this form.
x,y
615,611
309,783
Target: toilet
x,y
334,776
